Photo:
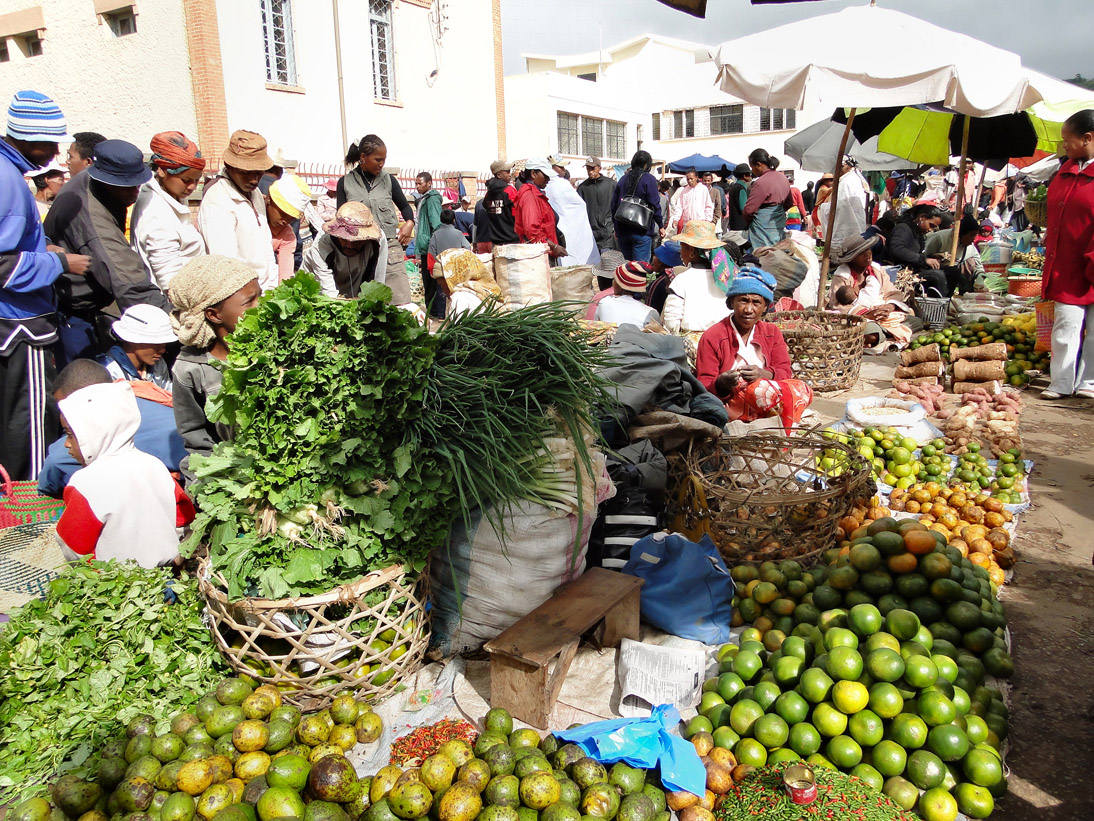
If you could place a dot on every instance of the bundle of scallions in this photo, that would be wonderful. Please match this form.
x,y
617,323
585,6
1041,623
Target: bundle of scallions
x,y
512,406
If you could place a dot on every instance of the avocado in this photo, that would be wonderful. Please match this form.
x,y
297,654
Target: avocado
x,y
332,778
324,811
587,772
111,772
135,794
629,780
74,796
142,724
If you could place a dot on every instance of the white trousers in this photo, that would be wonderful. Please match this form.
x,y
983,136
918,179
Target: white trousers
x,y
1072,355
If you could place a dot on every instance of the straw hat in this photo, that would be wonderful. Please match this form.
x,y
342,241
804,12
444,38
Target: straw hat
x,y
247,151
353,222
700,234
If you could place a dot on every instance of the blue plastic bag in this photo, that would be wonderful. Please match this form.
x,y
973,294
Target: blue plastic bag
x,y
688,590
645,743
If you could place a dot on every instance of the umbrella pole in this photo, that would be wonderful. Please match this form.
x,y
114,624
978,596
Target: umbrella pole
x,y
959,209
826,256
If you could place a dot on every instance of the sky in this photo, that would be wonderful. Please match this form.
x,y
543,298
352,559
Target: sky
x,y
1054,39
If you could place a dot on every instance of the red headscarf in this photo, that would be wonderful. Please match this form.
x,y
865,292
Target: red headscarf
x,y
173,152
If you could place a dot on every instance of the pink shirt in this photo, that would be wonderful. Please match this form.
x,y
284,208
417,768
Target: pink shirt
x,y
284,246
690,203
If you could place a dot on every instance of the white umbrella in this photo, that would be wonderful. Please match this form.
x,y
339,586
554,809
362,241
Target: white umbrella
x,y
813,149
783,67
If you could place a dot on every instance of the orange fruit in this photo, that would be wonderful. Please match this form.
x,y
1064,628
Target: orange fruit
x,y
927,507
961,545
958,499
932,488
911,506
996,574
972,513
919,542
980,546
904,562
981,559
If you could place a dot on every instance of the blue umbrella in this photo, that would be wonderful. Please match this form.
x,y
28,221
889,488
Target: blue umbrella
x,y
701,163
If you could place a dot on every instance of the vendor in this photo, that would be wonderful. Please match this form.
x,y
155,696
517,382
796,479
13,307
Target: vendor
x,y
348,253
696,299
745,362
963,273
907,246
870,294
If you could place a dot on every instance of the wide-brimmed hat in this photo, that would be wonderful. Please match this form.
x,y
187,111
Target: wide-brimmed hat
x,y
56,166
283,160
609,261
700,234
247,151
144,324
331,185
742,170
119,163
850,247
353,222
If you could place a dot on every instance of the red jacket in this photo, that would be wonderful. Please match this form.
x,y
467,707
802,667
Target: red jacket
x,y
718,349
1069,239
533,215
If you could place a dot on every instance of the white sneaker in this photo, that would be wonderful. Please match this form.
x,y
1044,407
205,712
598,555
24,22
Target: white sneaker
x,y
1047,394
1085,393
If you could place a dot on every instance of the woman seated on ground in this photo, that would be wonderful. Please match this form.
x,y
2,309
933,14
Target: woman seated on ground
x,y
908,241
696,299
861,287
745,362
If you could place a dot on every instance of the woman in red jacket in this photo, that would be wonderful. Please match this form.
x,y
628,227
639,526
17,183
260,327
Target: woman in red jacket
x,y
535,220
1069,262
745,362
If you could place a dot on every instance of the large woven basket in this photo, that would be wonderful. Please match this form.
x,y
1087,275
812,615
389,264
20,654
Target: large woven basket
x,y
768,496
1037,213
825,347
367,636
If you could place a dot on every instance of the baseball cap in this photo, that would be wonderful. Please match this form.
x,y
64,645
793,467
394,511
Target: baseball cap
x,y
538,164
592,162
500,165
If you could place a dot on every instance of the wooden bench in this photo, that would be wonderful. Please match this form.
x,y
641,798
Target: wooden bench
x,y
522,678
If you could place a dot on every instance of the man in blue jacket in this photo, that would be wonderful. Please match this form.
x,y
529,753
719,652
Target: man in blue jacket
x,y
28,269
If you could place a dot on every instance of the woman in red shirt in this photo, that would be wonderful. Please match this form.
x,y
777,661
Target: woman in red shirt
x,y
535,220
745,362
1069,262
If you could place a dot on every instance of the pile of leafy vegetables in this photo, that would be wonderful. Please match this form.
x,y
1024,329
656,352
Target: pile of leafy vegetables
x,y
358,437
320,484
103,645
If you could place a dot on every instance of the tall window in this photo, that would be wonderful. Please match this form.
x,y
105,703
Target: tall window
x,y
277,33
765,119
689,123
655,130
727,119
638,129
777,119
383,49
568,134
592,136
677,124
617,139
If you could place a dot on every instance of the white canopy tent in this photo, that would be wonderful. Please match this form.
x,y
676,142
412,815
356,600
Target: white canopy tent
x,y
782,67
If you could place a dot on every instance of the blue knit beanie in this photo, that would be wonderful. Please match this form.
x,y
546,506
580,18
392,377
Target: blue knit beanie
x,y
752,280
34,117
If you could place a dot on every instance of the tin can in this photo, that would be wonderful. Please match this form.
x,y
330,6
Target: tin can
x,y
800,783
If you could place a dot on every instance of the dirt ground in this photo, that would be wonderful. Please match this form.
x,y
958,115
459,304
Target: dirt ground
x,y
1050,608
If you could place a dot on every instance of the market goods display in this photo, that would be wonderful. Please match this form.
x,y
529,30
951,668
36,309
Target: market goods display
x,y
825,348
238,754
761,794
879,664
107,641
357,439
891,455
773,497
1016,335
1037,206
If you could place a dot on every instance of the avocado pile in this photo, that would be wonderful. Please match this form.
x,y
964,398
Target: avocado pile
x,y
876,665
239,755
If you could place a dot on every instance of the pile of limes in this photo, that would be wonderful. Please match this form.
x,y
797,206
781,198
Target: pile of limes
x,y
1019,334
876,665
891,454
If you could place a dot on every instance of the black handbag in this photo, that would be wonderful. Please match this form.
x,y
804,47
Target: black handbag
x,y
634,212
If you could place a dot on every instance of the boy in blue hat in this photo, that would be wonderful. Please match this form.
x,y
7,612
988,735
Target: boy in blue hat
x,y
89,213
28,269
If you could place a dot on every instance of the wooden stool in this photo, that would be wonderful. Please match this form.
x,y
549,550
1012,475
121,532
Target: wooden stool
x,y
521,678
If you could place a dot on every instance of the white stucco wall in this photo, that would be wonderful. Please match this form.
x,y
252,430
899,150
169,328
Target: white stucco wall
x,y
638,81
123,87
450,125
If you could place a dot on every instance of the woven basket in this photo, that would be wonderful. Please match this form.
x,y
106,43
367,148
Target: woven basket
x,y
1037,213
768,497
367,636
825,347
1024,286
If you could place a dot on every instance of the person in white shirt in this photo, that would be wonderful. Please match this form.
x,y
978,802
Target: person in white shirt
x,y
691,202
232,216
161,229
850,207
625,305
695,301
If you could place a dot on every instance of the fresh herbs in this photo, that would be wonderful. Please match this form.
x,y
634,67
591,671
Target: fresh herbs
x,y
104,645
319,485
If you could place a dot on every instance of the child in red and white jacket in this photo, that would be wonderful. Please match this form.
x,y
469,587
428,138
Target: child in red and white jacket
x,y
123,504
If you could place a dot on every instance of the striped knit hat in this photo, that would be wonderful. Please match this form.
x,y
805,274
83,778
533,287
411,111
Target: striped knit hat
x,y
632,276
35,118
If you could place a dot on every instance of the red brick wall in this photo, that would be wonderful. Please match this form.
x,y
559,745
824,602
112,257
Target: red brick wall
x,y
208,76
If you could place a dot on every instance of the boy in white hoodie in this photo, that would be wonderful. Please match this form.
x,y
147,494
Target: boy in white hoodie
x,y
123,504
